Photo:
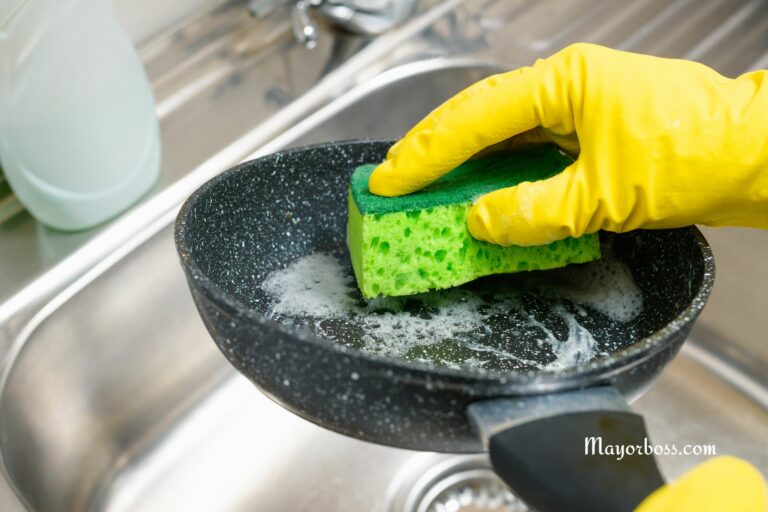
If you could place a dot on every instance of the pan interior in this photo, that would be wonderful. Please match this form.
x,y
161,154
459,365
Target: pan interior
x,y
538,320
271,236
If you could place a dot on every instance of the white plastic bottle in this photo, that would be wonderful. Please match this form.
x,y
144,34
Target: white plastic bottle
x,y
79,138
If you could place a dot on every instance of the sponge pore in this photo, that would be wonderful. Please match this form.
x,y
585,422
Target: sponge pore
x,y
419,242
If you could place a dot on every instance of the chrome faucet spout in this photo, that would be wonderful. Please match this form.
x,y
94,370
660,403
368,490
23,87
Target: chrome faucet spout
x,y
304,29
364,17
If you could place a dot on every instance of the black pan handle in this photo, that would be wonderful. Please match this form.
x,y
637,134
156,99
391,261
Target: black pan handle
x,y
541,447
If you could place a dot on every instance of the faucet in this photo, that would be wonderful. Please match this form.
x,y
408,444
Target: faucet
x,y
364,17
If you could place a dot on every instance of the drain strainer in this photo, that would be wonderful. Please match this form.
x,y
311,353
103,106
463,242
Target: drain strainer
x,y
475,490
452,484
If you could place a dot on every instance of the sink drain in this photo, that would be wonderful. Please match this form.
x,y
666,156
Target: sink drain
x,y
453,484
473,490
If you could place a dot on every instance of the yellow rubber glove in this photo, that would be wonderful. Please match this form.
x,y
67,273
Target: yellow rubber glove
x,y
718,485
661,143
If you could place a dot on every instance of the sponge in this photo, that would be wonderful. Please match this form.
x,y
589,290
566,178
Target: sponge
x,y
419,242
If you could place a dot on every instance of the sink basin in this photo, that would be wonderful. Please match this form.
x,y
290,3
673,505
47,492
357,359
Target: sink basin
x,y
118,400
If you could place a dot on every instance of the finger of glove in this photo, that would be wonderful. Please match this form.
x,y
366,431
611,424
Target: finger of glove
x,y
504,106
535,213
531,137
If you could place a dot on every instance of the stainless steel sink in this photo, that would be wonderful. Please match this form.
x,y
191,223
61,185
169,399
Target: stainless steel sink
x,y
115,398
120,401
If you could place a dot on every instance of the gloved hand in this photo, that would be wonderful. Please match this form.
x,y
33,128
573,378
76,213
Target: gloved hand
x,y
719,484
660,143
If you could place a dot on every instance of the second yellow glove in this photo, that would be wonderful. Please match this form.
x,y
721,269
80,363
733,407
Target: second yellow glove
x,y
717,485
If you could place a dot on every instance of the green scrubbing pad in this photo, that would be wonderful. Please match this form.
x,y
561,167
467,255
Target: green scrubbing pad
x,y
418,242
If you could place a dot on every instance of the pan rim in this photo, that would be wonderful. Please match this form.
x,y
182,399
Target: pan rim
x,y
541,380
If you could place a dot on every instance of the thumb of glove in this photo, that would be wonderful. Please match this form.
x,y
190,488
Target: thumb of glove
x,y
535,213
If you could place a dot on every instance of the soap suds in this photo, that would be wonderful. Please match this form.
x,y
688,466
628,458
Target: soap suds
x,y
490,328
319,287
606,285
578,348
312,286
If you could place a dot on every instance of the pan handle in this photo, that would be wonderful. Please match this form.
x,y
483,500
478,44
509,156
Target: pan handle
x,y
538,445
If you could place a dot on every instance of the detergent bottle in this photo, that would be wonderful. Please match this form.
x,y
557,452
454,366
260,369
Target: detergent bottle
x,y
79,137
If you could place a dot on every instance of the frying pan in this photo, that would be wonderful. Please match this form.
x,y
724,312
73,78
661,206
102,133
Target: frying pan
x,y
258,217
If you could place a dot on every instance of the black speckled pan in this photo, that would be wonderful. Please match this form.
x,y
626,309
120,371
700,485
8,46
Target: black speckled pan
x,y
241,225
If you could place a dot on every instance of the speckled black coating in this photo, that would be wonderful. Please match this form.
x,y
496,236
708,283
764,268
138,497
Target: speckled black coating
x,y
265,213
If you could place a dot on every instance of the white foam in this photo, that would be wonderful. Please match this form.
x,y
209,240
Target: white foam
x,y
606,285
319,287
311,286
